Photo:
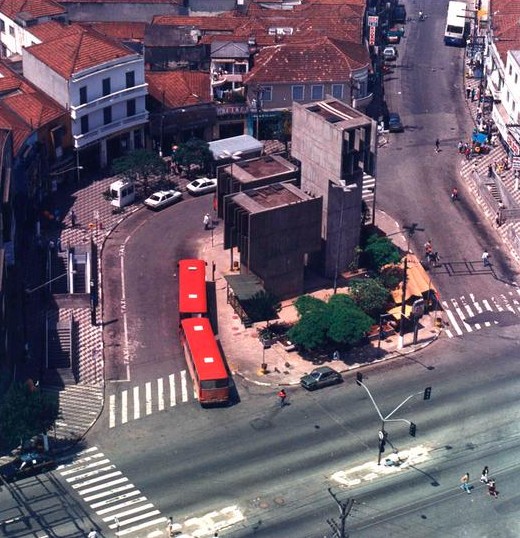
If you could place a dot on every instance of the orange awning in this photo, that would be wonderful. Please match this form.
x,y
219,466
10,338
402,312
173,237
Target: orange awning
x,y
418,281
396,312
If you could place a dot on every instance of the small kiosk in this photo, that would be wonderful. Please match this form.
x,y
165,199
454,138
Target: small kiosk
x,y
122,193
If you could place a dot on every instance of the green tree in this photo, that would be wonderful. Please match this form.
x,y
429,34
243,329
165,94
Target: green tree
x,y
139,165
370,295
194,152
310,331
391,275
348,324
263,306
25,412
380,251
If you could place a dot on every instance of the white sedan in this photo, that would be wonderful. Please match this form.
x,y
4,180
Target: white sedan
x,y
202,185
161,199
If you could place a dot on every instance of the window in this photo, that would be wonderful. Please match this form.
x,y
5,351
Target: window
x,y
84,124
516,78
297,93
107,115
2,25
130,107
317,92
11,30
510,70
106,86
83,95
337,91
130,79
267,93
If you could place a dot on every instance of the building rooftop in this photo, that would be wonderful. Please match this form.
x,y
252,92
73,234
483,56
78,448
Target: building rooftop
x,y
243,143
261,168
338,113
270,197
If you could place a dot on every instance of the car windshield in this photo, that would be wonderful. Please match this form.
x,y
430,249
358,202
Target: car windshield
x,y
155,197
315,375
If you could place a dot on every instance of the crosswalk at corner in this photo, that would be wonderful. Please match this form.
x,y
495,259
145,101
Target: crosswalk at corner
x,y
467,313
154,396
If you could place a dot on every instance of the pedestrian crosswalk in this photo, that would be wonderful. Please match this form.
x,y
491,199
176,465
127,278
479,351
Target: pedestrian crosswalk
x,y
153,396
467,313
110,495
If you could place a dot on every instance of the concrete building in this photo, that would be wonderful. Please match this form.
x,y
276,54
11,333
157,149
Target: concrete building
x,y
243,175
336,146
275,228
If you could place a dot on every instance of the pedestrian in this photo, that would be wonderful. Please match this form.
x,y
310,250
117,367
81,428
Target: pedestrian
x,y
492,488
283,396
485,258
437,145
484,475
72,219
460,146
92,534
206,221
464,483
473,92
468,92
170,527
428,248
490,170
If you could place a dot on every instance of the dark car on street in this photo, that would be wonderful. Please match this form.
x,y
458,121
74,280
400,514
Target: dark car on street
x,y
394,123
26,465
320,377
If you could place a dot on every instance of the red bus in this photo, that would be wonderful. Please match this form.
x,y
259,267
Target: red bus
x,y
192,289
205,363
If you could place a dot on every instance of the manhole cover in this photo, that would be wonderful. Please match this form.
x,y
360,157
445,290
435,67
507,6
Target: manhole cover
x,y
260,424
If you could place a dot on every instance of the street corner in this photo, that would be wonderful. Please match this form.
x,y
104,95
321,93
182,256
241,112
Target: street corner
x,y
393,463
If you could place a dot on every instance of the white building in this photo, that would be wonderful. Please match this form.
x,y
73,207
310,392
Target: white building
x,y
100,82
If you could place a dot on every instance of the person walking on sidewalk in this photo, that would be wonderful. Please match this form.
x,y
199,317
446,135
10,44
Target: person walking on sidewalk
x,y
283,396
464,483
437,145
206,221
485,258
468,92
484,476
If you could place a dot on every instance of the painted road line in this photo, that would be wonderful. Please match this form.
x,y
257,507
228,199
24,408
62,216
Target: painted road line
x,y
184,387
137,411
173,396
160,394
148,398
112,411
124,407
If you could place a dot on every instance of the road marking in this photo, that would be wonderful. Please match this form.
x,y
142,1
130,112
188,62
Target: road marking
x,y
461,315
184,387
112,411
113,507
148,398
124,407
173,396
453,322
160,394
137,412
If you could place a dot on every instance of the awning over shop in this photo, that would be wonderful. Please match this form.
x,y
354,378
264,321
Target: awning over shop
x,y
480,138
418,281
396,312
244,286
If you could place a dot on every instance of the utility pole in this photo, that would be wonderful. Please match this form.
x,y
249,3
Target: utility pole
x,y
344,510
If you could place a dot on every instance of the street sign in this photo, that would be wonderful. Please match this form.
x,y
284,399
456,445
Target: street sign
x,y
381,435
373,20
418,308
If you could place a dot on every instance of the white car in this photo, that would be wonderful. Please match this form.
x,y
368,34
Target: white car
x,y
202,185
390,53
161,199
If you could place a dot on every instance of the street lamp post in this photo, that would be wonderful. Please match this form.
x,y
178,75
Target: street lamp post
x,y
29,291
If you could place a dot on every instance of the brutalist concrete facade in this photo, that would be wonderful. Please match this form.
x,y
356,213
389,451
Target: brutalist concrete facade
x,y
335,145
275,228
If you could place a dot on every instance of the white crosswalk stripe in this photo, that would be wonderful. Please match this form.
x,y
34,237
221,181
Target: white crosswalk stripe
x,y
125,513
467,314
153,396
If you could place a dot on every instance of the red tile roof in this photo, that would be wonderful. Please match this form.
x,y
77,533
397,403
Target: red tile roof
x,y
320,60
179,88
506,26
121,30
225,21
37,8
171,2
46,30
77,48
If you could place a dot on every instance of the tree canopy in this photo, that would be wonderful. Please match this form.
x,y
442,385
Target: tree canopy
x,y
138,166
339,321
194,152
370,295
379,251
25,412
263,306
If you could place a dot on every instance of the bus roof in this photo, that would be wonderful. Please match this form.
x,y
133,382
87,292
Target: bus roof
x,y
192,287
204,349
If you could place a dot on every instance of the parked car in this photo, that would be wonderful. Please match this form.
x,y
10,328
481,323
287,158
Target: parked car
x,y
390,53
320,377
26,465
394,123
161,199
202,185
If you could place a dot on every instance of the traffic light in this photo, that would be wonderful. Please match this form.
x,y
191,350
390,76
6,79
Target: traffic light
x,y
359,378
427,393
413,428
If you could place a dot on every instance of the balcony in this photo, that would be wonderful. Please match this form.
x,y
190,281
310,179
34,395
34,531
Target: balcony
x,y
105,131
219,79
106,100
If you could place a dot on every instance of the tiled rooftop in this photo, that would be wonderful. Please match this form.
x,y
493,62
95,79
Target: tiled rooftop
x,y
76,48
35,8
179,88
121,30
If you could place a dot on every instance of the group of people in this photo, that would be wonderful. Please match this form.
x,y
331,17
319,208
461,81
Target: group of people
x,y
484,478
